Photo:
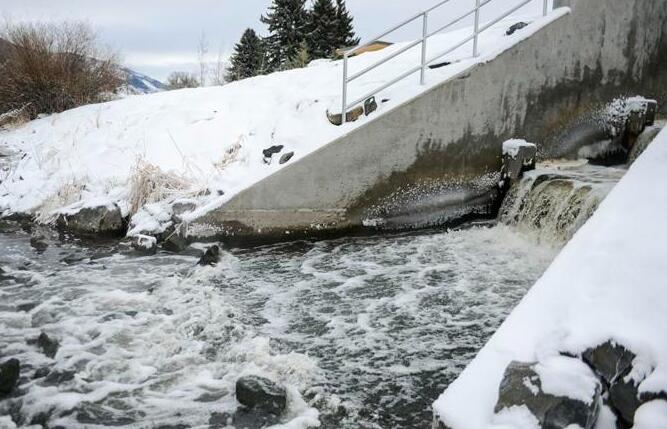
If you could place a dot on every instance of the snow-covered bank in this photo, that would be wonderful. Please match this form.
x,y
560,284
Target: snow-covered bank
x,y
609,283
207,144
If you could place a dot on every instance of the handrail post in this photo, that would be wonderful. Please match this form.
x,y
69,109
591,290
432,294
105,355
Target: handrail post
x,y
422,80
546,8
475,51
343,114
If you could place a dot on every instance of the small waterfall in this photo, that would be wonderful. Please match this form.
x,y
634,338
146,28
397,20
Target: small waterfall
x,y
556,199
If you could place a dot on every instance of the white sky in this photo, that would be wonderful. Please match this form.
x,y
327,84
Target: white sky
x,y
159,36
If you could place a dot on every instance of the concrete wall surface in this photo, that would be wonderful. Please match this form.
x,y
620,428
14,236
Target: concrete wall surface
x,y
436,158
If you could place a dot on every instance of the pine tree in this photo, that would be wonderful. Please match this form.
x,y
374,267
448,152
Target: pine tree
x,y
287,21
248,58
323,28
345,33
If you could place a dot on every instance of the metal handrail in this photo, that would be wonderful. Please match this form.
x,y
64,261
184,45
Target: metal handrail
x,y
477,30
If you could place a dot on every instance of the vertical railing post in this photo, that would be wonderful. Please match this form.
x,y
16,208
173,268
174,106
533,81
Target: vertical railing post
x,y
545,10
343,114
475,51
422,80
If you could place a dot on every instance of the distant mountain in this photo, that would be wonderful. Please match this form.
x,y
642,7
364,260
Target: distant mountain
x,y
138,83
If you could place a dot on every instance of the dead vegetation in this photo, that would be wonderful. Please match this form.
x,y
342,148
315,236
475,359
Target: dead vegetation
x,y
49,68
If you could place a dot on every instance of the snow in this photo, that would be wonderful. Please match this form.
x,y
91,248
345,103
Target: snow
x,y
515,417
206,143
607,283
651,415
569,377
512,147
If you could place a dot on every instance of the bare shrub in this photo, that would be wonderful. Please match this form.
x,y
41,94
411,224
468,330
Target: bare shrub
x,y
54,67
179,80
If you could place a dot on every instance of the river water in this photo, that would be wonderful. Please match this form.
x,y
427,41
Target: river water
x,y
367,332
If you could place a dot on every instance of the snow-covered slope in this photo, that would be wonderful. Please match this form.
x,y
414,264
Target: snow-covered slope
x,y
207,143
610,282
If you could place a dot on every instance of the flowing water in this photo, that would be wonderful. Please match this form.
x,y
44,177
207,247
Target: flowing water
x,y
366,331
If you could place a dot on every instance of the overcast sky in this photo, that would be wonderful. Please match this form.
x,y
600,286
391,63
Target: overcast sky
x,y
160,36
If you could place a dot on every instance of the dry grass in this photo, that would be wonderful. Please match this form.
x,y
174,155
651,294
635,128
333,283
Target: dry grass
x,y
149,184
68,194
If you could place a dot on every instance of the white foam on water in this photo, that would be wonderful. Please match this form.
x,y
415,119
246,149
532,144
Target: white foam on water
x,y
375,326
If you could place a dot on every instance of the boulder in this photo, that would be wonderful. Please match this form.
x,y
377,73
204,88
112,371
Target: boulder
x,y
38,243
178,208
175,242
610,361
516,27
48,345
261,394
286,157
105,220
211,256
521,386
9,376
144,244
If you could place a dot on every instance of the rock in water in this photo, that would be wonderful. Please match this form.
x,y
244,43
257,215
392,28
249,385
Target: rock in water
x,y
516,27
211,256
521,386
286,157
144,244
106,220
261,393
39,244
48,345
9,376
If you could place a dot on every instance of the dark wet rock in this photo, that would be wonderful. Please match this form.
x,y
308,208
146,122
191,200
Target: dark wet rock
x,y
42,419
211,256
41,373
27,307
175,242
269,152
624,399
243,419
370,106
105,220
516,27
261,394
94,414
286,157
58,377
144,244
521,386
610,361
39,244
10,371
46,344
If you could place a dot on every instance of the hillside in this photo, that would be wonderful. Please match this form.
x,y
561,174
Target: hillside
x,y
206,144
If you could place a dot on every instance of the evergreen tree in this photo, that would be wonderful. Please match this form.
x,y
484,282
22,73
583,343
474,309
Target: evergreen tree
x,y
287,21
323,28
248,57
345,33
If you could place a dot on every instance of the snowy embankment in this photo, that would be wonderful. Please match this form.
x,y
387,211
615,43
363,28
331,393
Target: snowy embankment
x,y
609,283
145,152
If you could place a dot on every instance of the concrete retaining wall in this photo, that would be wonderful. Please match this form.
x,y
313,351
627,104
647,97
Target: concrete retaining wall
x,y
435,158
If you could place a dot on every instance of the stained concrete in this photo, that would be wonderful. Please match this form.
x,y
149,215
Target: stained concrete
x,y
435,159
